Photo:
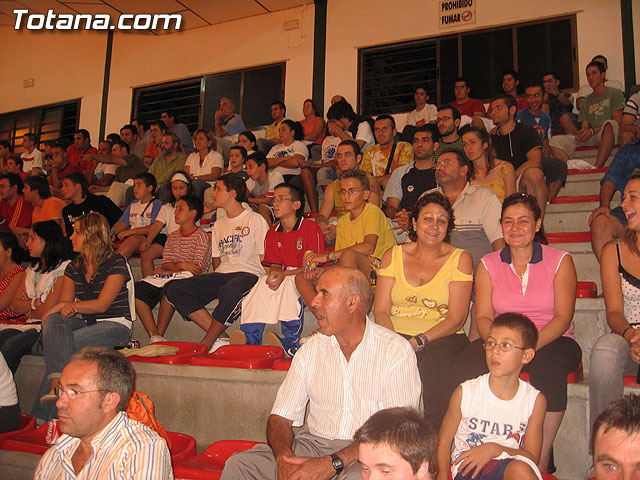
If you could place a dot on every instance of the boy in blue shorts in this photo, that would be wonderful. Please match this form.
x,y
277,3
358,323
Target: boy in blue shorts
x,y
495,420
275,298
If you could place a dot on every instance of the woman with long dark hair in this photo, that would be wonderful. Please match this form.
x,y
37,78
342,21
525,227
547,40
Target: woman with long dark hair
x,y
38,291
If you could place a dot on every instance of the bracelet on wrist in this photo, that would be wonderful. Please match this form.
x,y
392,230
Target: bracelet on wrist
x,y
624,332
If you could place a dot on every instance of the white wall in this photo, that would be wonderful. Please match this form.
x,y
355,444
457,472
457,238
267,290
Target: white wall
x,y
64,66
244,43
71,65
355,24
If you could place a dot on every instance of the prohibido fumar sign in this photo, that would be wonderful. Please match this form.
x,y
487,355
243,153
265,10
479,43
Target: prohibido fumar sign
x,y
456,12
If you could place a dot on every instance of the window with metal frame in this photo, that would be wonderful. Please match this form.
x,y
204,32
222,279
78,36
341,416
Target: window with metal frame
x,y
196,100
48,122
389,74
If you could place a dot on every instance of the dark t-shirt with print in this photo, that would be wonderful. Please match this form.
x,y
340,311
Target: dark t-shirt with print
x,y
93,203
414,183
514,146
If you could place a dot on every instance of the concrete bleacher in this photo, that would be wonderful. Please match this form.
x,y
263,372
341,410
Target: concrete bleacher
x,y
213,403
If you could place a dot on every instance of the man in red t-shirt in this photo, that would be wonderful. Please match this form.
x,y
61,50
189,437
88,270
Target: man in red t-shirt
x,y
16,212
510,82
466,105
61,166
76,152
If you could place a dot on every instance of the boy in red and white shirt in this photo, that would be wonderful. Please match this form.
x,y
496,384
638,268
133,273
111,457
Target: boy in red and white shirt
x,y
275,298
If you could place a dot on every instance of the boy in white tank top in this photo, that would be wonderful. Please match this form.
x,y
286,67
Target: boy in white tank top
x,y
495,420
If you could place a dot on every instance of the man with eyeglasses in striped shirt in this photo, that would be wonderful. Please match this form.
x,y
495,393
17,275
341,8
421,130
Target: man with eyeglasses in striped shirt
x,y
99,440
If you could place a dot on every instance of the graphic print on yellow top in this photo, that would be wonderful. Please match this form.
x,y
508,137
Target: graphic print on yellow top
x,y
417,309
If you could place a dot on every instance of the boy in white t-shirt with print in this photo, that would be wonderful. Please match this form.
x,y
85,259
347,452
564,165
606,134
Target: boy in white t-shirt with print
x,y
135,222
237,245
261,184
495,420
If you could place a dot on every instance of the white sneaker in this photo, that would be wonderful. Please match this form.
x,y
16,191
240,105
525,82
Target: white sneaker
x,y
157,338
220,342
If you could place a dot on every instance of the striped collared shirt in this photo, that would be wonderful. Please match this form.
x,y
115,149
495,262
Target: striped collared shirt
x,y
381,373
125,449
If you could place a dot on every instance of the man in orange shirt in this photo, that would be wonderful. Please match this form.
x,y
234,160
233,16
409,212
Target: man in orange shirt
x,y
45,207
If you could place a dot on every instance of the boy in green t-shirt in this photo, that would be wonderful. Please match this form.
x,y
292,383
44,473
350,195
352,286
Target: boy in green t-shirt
x,y
600,114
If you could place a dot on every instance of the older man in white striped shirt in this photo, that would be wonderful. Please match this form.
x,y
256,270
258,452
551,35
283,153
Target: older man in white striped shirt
x,y
100,441
348,372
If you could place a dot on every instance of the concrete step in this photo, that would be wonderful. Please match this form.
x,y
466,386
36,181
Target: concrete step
x,y
587,266
583,183
571,217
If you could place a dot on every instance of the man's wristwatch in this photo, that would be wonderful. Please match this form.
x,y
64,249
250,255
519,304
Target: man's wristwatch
x,y
336,463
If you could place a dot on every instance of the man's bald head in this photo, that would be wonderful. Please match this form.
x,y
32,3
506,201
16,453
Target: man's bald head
x,y
354,282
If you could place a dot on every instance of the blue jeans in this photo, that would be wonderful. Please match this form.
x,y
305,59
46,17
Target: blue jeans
x,y
14,344
291,331
610,361
62,337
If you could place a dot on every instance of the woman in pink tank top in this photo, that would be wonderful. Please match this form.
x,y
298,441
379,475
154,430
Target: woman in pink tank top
x,y
538,281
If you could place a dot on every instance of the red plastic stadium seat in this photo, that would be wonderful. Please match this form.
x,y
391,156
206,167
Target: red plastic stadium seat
x,y
282,364
187,350
573,377
240,356
576,171
210,463
27,423
586,290
32,441
182,447
630,381
576,199
569,237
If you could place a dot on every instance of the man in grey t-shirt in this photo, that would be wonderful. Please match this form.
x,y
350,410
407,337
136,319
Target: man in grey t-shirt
x,y
476,208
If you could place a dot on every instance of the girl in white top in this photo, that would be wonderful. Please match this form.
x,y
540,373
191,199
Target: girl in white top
x,y
287,157
424,112
165,222
40,290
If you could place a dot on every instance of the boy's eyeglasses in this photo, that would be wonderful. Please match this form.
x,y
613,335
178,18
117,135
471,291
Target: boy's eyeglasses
x,y
282,199
503,346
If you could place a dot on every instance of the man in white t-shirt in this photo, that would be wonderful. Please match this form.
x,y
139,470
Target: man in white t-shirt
x,y
424,112
31,157
287,158
237,244
630,116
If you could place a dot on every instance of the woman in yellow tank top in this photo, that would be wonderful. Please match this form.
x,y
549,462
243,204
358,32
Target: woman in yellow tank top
x,y
496,174
417,282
